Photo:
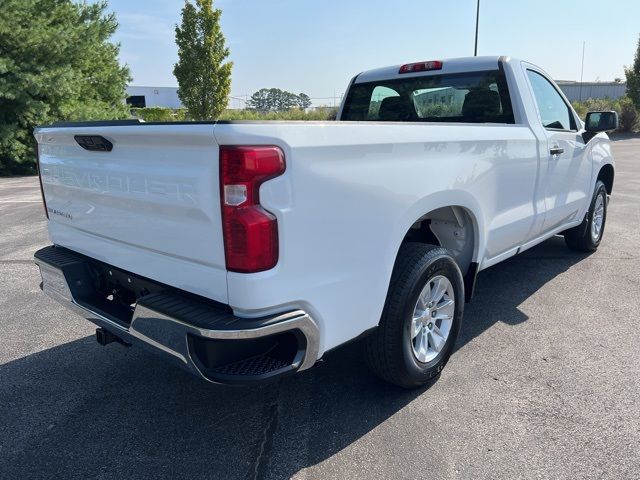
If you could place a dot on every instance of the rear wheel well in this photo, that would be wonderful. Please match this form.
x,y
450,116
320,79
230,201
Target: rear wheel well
x,y
606,176
449,227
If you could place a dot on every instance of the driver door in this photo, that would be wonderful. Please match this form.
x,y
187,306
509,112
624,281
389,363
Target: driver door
x,y
566,179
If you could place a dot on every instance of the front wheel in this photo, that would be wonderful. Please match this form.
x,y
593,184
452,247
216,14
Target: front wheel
x,y
587,236
421,318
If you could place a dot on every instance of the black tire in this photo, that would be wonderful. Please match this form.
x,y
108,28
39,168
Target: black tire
x,y
388,349
580,238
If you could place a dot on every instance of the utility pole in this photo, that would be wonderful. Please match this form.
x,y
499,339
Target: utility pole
x,y
475,50
582,69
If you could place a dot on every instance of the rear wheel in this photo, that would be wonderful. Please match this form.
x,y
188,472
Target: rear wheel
x,y
587,236
421,317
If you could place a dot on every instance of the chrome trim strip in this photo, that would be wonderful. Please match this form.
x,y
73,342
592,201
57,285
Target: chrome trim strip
x,y
169,334
145,323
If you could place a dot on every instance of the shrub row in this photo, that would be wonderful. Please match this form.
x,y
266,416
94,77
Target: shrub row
x,y
627,113
155,114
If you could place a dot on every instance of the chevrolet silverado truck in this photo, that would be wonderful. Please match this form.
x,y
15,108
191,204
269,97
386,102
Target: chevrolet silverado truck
x,y
244,251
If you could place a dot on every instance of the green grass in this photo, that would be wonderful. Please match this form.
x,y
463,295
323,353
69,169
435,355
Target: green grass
x,y
178,115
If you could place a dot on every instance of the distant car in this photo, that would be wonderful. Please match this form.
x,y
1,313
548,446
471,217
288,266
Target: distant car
x,y
243,251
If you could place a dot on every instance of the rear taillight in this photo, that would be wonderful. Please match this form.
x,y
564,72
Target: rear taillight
x,y
250,232
44,202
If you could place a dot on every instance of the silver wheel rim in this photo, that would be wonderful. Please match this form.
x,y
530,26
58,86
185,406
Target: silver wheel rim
x,y
432,319
598,218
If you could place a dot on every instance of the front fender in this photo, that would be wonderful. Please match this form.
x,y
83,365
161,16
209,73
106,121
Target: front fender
x,y
600,154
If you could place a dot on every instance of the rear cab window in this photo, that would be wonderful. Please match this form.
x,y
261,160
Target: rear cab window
x,y
474,97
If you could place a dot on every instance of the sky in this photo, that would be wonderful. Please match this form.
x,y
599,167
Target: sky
x,y
316,46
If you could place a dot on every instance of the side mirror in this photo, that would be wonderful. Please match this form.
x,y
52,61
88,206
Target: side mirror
x,y
597,122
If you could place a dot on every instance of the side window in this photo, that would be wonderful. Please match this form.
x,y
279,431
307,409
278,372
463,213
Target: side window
x,y
554,112
379,94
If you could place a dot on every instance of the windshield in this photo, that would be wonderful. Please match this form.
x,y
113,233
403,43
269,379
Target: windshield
x,y
476,97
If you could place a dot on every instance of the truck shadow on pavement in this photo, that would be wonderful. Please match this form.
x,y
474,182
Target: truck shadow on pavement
x,y
79,410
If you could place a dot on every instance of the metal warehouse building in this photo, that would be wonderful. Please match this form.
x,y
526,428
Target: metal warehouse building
x,y
581,91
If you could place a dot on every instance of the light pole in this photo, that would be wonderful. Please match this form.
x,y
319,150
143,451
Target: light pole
x,y
582,69
475,50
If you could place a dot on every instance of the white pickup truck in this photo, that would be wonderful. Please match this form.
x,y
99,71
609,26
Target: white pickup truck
x,y
244,251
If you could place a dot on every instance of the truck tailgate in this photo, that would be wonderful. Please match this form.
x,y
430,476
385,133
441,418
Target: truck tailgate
x,y
151,205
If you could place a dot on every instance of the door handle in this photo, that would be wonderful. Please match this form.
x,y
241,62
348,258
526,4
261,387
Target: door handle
x,y
556,151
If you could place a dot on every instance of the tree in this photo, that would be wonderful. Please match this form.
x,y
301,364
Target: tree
x,y
204,78
285,101
56,63
633,79
304,101
276,100
261,100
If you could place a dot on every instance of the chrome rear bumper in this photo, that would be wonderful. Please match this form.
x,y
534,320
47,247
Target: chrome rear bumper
x,y
192,332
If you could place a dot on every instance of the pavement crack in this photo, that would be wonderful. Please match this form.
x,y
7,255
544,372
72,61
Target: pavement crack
x,y
259,470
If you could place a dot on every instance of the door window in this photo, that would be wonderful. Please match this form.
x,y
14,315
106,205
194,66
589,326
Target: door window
x,y
554,112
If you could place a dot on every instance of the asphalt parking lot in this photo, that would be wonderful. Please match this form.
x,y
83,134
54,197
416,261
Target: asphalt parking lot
x,y
545,382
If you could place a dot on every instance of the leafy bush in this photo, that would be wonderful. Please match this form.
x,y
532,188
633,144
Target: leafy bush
x,y
159,114
627,113
595,105
633,78
56,63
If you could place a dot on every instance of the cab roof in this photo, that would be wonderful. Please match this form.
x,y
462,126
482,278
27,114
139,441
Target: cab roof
x,y
449,65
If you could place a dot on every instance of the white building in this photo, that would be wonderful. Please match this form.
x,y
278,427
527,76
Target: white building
x,y
141,97
167,97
